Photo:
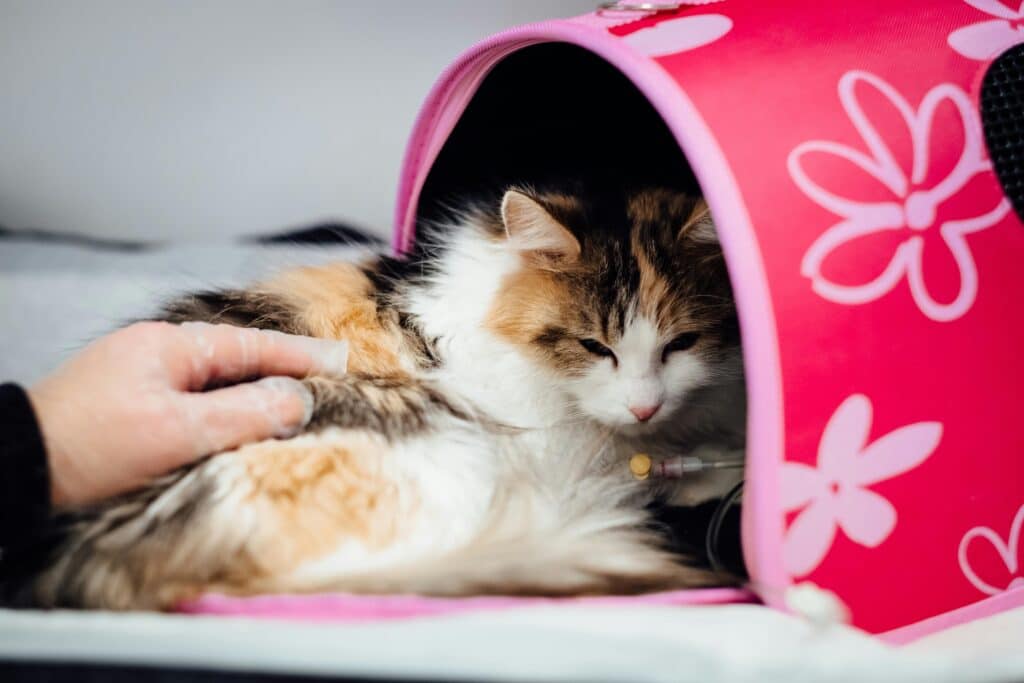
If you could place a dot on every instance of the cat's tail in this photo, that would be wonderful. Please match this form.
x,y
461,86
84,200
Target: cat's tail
x,y
583,536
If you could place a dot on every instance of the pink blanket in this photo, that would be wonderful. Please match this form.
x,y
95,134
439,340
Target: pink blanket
x,y
356,608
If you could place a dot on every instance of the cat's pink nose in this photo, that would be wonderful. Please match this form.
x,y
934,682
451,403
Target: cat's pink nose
x,y
644,413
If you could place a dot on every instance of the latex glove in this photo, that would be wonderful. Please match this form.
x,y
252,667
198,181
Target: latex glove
x,y
130,406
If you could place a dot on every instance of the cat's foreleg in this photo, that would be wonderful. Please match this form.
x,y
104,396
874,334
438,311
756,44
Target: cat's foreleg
x,y
395,407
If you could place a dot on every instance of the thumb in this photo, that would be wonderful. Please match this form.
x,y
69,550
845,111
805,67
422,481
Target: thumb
x,y
273,407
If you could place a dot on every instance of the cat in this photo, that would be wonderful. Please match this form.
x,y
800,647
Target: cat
x,y
499,378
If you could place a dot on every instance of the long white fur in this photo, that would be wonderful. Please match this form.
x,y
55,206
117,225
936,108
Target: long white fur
x,y
548,505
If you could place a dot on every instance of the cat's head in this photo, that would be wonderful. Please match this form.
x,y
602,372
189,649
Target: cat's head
x,y
625,300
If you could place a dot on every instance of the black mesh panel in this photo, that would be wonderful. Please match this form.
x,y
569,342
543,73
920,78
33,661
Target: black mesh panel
x,y
1002,115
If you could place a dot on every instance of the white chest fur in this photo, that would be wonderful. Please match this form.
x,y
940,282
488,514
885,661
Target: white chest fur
x,y
477,364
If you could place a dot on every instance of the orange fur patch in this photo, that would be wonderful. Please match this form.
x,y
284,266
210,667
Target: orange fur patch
x,y
531,305
529,299
657,299
336,302
316,494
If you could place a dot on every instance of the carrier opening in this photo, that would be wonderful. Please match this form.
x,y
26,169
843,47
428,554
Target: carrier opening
x,y
554,111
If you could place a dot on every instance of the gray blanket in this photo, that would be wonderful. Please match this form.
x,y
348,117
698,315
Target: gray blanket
x,y
55,297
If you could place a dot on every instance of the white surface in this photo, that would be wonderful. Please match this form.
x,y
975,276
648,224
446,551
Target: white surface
x,y
192,119
700,644
997,636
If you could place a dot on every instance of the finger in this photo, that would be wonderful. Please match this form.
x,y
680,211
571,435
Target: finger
x,y
226,352
273,407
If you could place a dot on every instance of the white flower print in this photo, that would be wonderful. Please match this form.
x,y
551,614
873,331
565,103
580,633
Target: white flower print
x,y
987,39
835,495
910,205
679,35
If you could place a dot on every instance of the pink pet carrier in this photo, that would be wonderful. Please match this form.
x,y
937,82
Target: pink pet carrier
x,y
862,161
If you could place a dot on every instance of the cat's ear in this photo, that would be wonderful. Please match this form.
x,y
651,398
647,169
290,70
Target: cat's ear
x,y
531,229
698,226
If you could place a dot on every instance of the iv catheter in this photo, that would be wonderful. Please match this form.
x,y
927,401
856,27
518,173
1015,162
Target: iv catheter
x,y
643,466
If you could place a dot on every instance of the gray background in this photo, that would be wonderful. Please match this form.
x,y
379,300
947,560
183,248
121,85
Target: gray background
x,y
192,122
197,120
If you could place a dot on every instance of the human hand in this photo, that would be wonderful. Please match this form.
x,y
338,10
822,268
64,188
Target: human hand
x,y
131,405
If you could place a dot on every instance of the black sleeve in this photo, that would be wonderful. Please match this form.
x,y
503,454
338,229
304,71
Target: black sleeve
x,y
24,477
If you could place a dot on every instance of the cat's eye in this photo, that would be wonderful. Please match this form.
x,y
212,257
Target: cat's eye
x,y
681,343
598,349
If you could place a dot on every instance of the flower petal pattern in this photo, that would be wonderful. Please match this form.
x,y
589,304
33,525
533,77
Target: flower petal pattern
x,y
913,205
679,34
865,516
987,39
809,537
834,496
897,452
844,437
800,485
996,8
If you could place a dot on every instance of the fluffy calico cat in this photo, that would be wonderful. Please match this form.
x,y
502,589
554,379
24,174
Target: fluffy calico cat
x,y
499,379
